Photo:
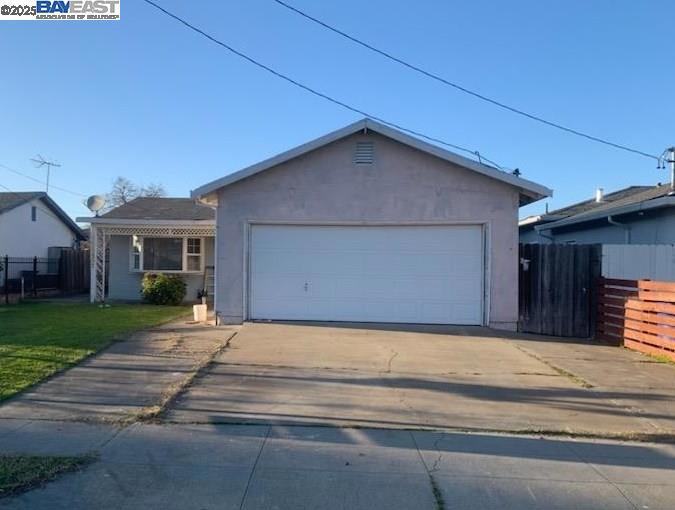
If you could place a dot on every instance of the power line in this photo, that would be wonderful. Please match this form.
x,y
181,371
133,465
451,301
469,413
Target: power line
x,y
17,172
315,92
440,79
75,193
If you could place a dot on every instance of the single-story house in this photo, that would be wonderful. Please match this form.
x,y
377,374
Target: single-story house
x,y
33,225
159,235
633,215
367,224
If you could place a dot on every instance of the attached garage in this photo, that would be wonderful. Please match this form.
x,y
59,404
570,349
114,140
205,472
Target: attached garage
x,y
405,274
368,224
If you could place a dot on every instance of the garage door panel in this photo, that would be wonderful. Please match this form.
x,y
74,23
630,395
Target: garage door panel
x,y
287,308
372,274
278,286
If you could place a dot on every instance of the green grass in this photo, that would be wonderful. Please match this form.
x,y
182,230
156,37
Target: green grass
x,y
662,358
39,339
22,472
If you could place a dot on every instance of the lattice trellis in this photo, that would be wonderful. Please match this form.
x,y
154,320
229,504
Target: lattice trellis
x,y
161,231
100,244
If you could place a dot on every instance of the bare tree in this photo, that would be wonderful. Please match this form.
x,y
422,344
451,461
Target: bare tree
x,y
153,190
123,191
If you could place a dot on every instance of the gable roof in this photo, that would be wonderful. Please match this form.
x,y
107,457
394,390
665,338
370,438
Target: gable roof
x,y
154,208
529,191
591,204
623,201
12,199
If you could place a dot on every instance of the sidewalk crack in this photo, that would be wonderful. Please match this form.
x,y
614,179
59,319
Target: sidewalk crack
x,y
435,489
253,469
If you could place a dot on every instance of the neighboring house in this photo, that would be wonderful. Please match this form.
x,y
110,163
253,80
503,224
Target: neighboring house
x,y
369,224
31,223
157,235
633,215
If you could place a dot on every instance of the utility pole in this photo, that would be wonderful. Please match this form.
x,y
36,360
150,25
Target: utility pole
x,y
40,162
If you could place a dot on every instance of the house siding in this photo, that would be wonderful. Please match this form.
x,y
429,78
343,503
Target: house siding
x,y
125,285
403,186
22,237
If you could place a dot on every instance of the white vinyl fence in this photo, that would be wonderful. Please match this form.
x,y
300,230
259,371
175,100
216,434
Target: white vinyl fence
x,y
639,261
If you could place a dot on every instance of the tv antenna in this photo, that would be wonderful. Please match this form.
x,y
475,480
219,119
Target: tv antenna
x,y
40,162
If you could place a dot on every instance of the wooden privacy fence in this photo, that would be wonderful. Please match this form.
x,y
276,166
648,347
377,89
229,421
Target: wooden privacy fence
x,y
556,289
639,314
74,270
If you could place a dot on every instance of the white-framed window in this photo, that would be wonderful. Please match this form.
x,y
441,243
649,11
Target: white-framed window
x,y
136,248
166,254
193,254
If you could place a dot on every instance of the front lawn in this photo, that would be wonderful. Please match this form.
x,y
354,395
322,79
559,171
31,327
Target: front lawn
x,y
22,472
39,339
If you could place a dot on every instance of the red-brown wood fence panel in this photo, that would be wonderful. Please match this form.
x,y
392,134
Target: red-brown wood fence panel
x,y
639,314
612,295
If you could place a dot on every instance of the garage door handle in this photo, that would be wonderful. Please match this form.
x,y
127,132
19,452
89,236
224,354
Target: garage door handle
x,y
306,286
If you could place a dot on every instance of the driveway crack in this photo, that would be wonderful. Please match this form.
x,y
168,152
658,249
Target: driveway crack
x,y
561,371
174,392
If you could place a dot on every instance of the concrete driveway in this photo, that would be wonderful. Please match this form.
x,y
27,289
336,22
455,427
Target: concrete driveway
x,y
429,377
379,381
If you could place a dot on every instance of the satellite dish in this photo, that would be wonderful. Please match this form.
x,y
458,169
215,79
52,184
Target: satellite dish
x,y
95,203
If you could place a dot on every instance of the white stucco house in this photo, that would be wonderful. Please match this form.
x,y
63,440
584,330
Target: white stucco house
x,y
31,223
368,224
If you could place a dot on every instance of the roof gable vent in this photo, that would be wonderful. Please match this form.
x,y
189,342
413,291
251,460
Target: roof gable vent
x,y
365,153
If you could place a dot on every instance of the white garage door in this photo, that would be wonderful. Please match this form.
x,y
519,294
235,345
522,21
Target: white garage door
x,y
411,274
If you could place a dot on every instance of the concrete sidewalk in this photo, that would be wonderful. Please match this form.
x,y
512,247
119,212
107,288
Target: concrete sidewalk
x,y
126,379
256,467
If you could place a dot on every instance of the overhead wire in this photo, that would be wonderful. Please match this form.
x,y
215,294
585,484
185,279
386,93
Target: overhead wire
x,y
477,154
462,88
34,179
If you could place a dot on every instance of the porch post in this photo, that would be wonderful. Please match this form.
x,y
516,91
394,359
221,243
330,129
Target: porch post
x,y
97,284
92,263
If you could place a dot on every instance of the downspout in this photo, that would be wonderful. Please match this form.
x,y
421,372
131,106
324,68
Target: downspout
x,y
200,201
626,228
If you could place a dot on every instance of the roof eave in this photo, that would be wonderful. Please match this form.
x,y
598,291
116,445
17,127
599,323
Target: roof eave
x,y
97,220
540,218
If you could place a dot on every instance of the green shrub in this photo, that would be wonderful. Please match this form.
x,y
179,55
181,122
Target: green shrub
x,y
162,289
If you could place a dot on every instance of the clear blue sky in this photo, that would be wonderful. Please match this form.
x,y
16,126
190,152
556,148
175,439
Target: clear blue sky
x,y
147,99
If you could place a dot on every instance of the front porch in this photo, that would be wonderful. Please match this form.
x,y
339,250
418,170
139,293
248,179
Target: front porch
x,y
122,253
